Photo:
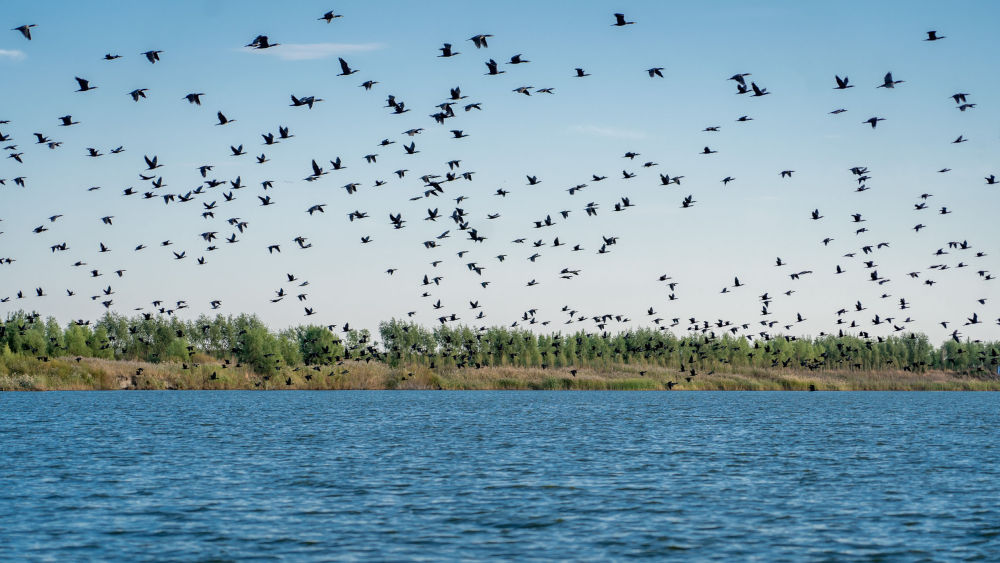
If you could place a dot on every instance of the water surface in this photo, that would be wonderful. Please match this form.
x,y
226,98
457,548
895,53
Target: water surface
x,y
530,475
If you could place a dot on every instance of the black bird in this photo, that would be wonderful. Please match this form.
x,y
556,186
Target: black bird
x,y
620,21
307,101
261,42
84,85
740,79
491,68
345,69
25,30
480,40
842,83
194,98
447,52
888,82
152,56
931,36
317,170
330,16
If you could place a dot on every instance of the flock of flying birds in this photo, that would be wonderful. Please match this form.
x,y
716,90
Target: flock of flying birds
x,y
436,186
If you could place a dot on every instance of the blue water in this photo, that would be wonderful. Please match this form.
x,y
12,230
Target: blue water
x,y
216,475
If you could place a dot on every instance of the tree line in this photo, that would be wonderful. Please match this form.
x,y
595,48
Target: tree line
x,y
405,342
160,338
247,340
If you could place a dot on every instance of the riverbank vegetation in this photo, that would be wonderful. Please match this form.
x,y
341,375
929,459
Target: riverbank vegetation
x,y
227,352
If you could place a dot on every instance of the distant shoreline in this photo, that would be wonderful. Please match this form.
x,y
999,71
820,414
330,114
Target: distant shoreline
x,y
86,374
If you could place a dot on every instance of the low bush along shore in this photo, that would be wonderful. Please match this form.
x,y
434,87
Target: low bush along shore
x,y
26,373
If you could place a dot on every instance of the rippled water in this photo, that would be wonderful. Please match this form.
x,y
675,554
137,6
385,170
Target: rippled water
x,y
526,475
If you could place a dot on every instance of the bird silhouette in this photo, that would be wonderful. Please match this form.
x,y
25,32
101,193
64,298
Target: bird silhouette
x,y
25,30
345,69
888,82
491,68
84,85
330,16
620,21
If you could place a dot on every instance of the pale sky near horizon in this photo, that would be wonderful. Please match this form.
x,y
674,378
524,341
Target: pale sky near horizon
x,y
739,229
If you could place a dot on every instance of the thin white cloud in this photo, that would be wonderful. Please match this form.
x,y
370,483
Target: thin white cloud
x,y
311,51
12,54
613,132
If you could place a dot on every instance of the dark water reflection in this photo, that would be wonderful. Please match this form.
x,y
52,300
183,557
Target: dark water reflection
x,y
527,475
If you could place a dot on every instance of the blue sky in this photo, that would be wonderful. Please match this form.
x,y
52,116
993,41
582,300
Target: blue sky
x,y
794,49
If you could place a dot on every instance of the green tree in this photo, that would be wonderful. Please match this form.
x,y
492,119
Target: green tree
x,y
76,340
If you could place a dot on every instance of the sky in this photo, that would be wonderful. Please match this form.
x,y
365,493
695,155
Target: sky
x,y
583,128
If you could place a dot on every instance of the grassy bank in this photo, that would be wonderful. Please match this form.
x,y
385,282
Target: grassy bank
x,y
22,373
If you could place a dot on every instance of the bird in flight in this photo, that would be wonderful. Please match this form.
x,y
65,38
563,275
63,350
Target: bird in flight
x,y
842,83
480,40
345,69
330,16
152,56
84,85
620,21
25,30
888,82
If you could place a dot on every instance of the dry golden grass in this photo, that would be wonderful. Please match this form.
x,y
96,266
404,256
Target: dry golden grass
x,y
67,373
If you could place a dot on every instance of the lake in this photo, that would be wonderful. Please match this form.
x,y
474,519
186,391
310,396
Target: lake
x,y
377,475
